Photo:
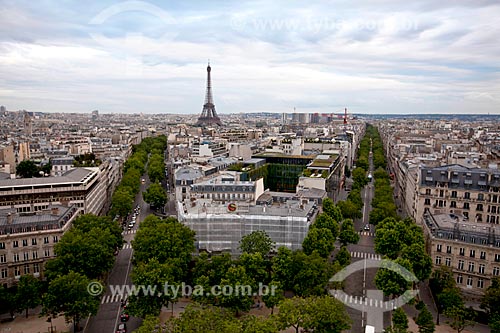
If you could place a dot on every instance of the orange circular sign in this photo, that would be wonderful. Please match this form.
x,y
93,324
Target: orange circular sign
x,y
231,207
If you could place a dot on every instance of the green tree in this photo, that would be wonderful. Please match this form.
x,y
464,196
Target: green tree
x,y
326,314
90,254
421,262
208,319
332,210
8,300
121,202
343,257
393,282
68,295
359,177
447,299
459,317
320,240
347,233
240,299
85,223
257,241
310,274
155,195
28,295
167,241
274,296
256,267
253,324
325,221
425,321
399,321
292,313
27,169
153,273
349,209
149,324
491,301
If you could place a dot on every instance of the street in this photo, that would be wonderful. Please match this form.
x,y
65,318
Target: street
x,y
108,315
361,283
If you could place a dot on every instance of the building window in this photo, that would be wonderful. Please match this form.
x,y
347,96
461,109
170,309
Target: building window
x,y
496,271
497,257
472,253
467,195
35,254
438,260
469,281
462,251
4,273
448,249
447,262
26,256
36,268
15,244
466,205
453,204
439,247
33,241
17,271
453,194
46,252
2,246
480,197
16,257
481,268
482,255
479,207
471,267
460,279
427,202
427,191
56,239
480,283
45,240
25,242
3,258
26,269
461,265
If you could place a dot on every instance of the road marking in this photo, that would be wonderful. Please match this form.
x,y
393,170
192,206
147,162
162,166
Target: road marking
x,y
127,246
364,255
367,233
128,232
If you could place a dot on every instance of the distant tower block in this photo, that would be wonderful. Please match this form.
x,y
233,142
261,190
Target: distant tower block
x,y
27,124
345,116
209,115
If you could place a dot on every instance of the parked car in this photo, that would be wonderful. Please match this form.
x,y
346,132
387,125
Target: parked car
x,y
367,227
122,328
124,317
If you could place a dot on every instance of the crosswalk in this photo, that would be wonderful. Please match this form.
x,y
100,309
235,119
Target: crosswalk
x,y
364,255
112,298
367,302
367,233
128,232
127,246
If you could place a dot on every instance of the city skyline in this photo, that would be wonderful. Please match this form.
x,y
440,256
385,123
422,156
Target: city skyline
x,y
150,57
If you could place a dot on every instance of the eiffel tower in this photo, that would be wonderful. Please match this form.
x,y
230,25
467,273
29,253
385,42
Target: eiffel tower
x,y
209,115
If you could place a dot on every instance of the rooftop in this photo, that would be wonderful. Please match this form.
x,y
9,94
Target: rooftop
x,y
79,175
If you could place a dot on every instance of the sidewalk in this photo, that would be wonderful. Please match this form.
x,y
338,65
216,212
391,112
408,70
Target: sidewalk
x,y
34,324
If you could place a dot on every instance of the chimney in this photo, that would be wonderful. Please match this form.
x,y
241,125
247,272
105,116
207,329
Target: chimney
x,y
54,211
10,218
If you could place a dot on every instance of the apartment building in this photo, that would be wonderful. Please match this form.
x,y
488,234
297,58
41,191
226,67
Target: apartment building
x,y
471,250
220,226
27,240
227,187
456,189
82,187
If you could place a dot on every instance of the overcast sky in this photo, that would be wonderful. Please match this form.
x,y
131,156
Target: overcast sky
x,y
371,56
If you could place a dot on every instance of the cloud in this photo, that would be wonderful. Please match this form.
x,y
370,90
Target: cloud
x,y
377,56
